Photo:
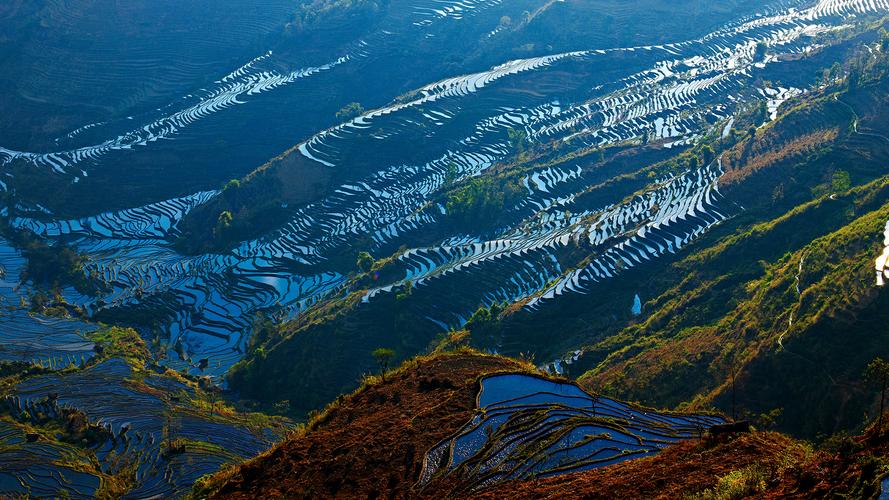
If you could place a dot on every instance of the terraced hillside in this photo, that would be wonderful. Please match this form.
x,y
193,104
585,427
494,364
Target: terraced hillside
x,y
388,423
688,217
567,153
141,119
563,260
86,413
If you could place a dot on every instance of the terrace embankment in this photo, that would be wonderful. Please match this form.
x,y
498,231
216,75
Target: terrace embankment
x,y
754,465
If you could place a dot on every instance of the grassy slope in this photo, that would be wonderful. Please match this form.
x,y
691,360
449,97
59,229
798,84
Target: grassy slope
x,y
726,304
681,353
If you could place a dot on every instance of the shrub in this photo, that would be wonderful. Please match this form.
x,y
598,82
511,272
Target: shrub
x,y
350,111
737,484
365,262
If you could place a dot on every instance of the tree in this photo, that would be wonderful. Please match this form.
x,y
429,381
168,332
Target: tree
x,y
406,291
836,71
762,112
223,222
518,140
708,154
365,262
452,173
232,185
841,181
350,111
383,356
877,373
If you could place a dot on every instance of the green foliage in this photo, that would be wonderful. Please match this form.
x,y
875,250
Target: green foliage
x,y
53,265
485,321
452,173
282,407
223,222
350,111
365,261
479,201
841,181
877,373
707,154
116,341
406,290
738,484
383,356
518,140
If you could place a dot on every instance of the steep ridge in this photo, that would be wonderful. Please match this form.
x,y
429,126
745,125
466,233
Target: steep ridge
x,y
381,442
383,430
753,291
386,427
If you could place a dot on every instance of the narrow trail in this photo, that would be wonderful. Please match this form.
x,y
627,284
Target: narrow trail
x,y
799,271
781,346
855,121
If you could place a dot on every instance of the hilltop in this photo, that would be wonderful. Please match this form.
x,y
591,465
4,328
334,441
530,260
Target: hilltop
x,y
372,443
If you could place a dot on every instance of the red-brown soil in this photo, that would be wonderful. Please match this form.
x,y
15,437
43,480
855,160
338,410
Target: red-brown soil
x,y
788,469
684,469
372,443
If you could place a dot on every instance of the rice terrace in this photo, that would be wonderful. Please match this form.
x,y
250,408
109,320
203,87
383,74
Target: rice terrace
x,y
444,249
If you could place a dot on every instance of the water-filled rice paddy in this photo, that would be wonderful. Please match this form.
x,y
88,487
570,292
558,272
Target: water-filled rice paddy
x,y
528,426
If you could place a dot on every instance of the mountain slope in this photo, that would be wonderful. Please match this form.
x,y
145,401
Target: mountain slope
x,y
809,366
409,299
370,443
